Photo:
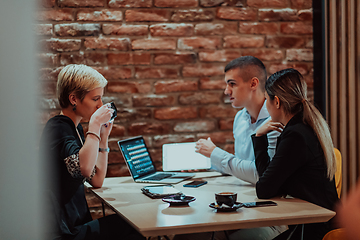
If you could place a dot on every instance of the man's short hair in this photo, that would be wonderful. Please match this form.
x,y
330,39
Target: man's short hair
x,y
251,66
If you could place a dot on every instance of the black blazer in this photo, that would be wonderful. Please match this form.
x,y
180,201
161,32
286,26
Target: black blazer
x,y
298,167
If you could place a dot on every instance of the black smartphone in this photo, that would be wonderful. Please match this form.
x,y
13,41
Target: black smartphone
x,y
196,183
259,204
112,105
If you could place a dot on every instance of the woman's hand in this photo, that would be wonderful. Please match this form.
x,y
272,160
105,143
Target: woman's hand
x,y
268,127
205,147
102,115
106,129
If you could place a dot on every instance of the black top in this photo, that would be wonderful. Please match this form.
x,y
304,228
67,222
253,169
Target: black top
x,y
298,167
67,198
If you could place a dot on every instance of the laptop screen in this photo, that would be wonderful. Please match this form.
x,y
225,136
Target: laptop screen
x,y
137,156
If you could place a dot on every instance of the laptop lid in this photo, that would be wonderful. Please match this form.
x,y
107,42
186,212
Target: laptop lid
x,y
182,156
137,157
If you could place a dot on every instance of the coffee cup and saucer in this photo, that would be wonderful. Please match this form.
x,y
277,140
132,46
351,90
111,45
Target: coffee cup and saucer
x,y
226,202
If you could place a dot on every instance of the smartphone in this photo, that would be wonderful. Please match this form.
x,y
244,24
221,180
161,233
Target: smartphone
x,y
112,105
259,204
196,183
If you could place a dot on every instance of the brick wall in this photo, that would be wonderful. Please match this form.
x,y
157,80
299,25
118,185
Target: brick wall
x,y
164,59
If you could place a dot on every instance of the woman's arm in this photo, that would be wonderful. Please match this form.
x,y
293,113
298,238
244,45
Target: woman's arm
x,y
289,157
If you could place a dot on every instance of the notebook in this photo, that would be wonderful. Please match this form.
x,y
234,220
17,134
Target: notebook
x,y
141,166
182,156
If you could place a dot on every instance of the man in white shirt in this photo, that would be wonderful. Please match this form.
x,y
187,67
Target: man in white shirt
x,y
245,79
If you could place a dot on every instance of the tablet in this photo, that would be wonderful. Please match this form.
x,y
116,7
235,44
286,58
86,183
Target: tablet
x,y
182,156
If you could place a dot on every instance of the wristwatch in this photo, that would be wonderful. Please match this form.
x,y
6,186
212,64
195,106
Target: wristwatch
x,y
104,149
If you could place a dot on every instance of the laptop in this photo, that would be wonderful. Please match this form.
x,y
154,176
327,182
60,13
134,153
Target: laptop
x,y
182,156
141,166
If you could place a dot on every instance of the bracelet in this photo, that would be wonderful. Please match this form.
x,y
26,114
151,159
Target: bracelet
x,y
104,149
92,133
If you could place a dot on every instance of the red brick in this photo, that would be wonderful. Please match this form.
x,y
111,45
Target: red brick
x,y
49,75
218,111
87,58
129,58
44,29
81,3
305,15
128,87
202,70
155,15
218,56
175,86
144,128
153,100
267,3
156,72
175,113
216,28
76,29
218,137
265,54
55,15
99,15
175,58
160,140
243,42
47,3
309,43
226,124
200,98
242,14
284,42
172,29
299,55
199,42
117,130
192,15
211,3
301,3
48,59
229,148
310,84
297,28
302,68
154,44
212,84
117,170
104,43
130,30
114,73
132,114
259,28
129,3
273,15
197,126
61,45
176,3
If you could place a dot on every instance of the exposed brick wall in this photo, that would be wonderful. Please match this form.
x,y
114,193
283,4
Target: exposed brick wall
x,y
164,59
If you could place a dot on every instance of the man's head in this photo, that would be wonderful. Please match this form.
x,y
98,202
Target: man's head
x,y
245,78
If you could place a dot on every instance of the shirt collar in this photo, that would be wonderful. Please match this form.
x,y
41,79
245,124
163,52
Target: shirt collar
x,y
262,114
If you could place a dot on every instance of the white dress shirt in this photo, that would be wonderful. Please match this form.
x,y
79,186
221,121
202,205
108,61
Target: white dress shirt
x,y
242,164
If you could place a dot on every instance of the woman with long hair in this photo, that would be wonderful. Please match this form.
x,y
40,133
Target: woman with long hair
x,y
304,163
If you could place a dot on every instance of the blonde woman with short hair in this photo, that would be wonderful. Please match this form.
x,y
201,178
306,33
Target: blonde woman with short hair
x,y
304,163
76,157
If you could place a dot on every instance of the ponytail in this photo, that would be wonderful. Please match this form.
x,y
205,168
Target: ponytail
x,y
288,85
313,117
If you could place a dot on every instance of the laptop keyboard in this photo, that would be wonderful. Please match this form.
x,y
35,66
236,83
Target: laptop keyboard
x,y
159,176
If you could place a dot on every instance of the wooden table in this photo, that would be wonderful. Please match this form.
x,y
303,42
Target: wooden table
x,y
153,217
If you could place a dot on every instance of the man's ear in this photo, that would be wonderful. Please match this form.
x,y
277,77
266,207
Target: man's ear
x,y
254,83
277,102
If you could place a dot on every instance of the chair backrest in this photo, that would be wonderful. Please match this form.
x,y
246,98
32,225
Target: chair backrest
x,y
338,173
336,234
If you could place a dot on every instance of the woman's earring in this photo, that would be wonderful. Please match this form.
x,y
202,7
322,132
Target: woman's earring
x,y
74,107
